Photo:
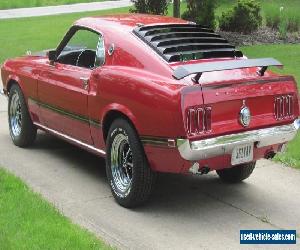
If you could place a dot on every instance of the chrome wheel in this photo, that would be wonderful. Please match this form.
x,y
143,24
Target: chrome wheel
x,y
15,115
130,177
121,163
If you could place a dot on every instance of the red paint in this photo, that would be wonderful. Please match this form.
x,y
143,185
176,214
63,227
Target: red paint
x,y
138,83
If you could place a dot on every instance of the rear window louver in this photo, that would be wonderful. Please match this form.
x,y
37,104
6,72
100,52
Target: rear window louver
x,y
183,42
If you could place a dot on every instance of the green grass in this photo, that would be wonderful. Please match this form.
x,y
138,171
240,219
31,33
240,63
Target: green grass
x,y
289,55
29,222
38,33
268,6
11,4
270,9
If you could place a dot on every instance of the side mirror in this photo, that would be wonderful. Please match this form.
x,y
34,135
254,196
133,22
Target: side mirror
x,y
52,56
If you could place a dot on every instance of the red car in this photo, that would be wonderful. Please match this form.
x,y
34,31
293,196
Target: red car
x,y
153,94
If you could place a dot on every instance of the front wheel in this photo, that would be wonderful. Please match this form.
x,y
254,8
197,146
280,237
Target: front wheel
x,y
237,173
128,172
22,130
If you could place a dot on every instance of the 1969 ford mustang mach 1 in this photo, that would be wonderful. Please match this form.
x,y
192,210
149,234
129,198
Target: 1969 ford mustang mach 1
x,y
153,94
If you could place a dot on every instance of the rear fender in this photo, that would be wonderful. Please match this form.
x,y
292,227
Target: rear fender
x,y
122,109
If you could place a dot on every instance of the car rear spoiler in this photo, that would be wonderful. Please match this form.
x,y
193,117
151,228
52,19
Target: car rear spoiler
x,y
199,68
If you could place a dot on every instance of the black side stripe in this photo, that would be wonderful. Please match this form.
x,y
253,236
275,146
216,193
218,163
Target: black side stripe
x,y
155,141
74,116
147,140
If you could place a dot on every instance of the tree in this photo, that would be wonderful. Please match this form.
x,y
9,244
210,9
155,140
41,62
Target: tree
x,y
201,11
157,7
176,8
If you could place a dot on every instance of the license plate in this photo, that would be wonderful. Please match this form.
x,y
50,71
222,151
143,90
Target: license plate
x,y
242,154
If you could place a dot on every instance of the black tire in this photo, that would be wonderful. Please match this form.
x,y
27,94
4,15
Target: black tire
x,y
24,133
237,173
137,172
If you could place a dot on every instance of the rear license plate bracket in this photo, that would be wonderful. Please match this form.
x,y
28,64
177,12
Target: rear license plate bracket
x,y
242,154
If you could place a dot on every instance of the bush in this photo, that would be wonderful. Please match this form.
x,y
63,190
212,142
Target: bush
x,y
273,22
293,25
282,18
245,17
157,7
201,12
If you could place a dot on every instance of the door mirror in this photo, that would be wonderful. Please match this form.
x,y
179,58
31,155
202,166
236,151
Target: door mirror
x,y
52,56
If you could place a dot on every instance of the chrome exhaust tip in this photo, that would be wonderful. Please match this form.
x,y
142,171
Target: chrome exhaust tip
x,y
195,169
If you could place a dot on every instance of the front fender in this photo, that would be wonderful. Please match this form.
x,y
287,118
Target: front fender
x,y
8,75
13,78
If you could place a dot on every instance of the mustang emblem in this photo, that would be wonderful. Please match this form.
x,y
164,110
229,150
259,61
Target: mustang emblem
x,y
245,115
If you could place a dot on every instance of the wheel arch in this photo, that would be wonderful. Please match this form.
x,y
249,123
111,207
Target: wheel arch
x,y
13,79
114,112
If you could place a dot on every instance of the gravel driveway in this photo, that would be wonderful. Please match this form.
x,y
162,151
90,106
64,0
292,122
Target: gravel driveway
x,y
185,212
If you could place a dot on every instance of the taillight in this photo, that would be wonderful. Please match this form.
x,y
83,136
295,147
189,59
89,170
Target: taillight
x,y
284,107
191,121
198,120
207,119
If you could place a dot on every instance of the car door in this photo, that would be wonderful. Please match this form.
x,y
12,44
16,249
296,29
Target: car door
x,y
63,85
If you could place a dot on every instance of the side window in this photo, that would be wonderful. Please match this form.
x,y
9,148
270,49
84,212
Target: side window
x,y
83,39
84,49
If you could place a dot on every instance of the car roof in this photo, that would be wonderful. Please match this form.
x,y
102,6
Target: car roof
x,y
125,21
172,38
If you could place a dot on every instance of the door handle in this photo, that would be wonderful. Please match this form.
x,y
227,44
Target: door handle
x,y
85,82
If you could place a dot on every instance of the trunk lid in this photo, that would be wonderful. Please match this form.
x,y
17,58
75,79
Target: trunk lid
x,y
271,99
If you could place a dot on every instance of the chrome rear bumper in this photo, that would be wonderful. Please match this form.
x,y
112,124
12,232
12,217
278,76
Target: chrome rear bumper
x,y
208,148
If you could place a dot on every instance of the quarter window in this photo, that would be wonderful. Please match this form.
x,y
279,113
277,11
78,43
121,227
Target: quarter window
x,y
100,59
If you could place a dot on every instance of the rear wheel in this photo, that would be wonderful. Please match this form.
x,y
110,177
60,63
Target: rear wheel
x,y
128,171
237,173
22,131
